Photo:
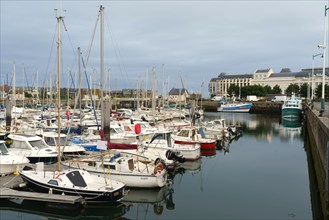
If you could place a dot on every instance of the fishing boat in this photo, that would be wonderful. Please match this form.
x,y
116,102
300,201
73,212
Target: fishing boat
x,y
292,107
235,107
10,162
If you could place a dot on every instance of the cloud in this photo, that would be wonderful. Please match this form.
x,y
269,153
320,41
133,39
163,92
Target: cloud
x,y
196,40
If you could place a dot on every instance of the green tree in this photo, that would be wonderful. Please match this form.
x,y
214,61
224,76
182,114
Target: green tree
x,y
318,91
276,90
292,88
27,95
267,89
303,90
233,90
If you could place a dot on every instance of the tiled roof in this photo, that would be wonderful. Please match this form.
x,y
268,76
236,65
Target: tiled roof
x,y
175,91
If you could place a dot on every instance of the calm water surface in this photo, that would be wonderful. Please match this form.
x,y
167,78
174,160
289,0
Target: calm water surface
x,y
261,175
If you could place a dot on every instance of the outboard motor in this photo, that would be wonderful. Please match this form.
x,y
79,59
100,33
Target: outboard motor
x,y
171,155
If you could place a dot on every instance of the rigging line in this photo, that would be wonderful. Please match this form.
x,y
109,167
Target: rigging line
x,y
70,41
117,51
91,97
27,82
51,51
91,40
72,79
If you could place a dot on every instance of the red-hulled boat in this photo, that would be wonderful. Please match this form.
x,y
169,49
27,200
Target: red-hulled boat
x,y
191,135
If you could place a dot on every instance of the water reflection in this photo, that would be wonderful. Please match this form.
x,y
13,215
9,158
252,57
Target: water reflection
x,y
290,129
149,202
25,209
261,127
252,181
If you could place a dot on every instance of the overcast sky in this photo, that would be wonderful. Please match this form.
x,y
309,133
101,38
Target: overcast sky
x,y
195,40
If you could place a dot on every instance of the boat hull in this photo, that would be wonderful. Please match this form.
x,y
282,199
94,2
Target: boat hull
x,y
291,113
208,152
203,145
45,160
242,108
89,195
11,168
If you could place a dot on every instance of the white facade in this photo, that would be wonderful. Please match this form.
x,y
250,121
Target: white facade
x,y
219,86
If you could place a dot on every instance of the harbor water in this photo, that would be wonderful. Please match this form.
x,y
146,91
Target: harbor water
x,y
264,174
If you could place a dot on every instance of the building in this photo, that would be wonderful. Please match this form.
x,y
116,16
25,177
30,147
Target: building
x,y
219,85
178,95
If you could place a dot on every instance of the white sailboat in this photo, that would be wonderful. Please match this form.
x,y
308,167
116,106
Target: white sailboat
x,y
73,182
133,170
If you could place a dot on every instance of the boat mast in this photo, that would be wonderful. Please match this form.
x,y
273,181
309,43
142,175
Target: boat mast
x,y
14,85
163,87
105,103
58,91
101,11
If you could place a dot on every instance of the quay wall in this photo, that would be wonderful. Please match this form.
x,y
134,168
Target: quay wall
x,y
318,132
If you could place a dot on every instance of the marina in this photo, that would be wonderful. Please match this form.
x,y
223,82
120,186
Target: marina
x,y
241,176
257,148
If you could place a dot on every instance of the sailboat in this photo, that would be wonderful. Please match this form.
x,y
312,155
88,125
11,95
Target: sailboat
x,y
72,182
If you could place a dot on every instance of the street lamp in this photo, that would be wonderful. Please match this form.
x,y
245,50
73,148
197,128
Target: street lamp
x,y
312,89
324,61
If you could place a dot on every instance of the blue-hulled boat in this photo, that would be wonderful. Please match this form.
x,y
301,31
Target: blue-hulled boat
x,y
235,107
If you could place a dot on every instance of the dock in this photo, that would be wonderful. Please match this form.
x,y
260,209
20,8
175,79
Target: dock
x,y
11,183
318,133
7,193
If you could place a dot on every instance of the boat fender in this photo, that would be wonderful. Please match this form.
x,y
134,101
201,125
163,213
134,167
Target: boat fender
x,y
15,129
158,168
58,177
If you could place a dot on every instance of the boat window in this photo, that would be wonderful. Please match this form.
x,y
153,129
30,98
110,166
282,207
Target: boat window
x,y
20,145
62,141
131,164
112,131
183,133
38,144
50,141
157,137
168,138
119,130
109,166
76,178
53,182
3,149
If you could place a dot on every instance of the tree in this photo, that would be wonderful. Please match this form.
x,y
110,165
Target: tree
x,y
27,95
292,88
318,91
276,90
303,90
267,89
233,90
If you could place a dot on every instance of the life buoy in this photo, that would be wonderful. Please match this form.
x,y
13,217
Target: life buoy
x,y
158,168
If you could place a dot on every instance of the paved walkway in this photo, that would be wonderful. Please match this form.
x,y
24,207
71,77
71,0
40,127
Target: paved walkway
x,y
317,106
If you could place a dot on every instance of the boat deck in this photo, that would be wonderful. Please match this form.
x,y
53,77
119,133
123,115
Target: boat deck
x,y
9,184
